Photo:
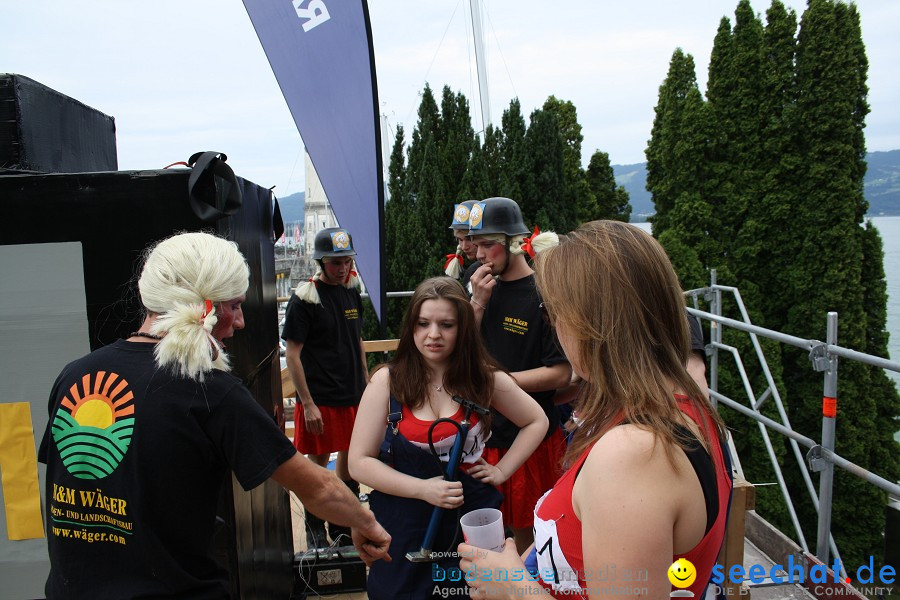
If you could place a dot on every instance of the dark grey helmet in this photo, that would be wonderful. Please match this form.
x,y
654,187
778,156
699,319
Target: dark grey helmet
x,y
333,241
461,215
496,215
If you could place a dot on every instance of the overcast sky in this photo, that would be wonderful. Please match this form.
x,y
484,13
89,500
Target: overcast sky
x,y
185,76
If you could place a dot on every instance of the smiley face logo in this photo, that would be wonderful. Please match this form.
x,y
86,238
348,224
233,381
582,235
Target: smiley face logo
x,y
461,215
682,573
340,240
475,215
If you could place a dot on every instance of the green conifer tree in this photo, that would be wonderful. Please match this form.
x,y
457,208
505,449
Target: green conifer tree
x,y
514,165
421,206
611,200
781,136
545,200
676,174
577,188
831,80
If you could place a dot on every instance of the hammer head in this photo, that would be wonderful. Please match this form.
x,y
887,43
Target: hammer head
x,y
420,556
470,406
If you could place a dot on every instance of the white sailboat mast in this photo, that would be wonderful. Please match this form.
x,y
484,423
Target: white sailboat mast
x,y
480,61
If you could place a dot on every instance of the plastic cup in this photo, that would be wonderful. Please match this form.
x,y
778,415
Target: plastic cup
x,y
483,528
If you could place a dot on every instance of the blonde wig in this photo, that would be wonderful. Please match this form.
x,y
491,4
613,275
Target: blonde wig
x,y
183,279
454,263
308,291
540,242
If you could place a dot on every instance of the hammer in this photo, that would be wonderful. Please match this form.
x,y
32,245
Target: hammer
x,y
424,554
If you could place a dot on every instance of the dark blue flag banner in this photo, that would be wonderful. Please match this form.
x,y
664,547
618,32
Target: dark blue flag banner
x,y
321,54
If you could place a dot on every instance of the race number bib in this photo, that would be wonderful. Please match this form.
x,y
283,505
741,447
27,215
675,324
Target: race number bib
x,y
553,568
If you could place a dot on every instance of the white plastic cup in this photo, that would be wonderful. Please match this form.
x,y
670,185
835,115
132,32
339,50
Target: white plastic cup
x,y
483,528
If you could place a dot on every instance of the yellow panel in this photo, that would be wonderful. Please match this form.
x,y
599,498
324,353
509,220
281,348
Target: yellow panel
x,y
19,474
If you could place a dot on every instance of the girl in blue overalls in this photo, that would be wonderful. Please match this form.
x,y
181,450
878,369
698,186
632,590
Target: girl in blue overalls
x,y
439,355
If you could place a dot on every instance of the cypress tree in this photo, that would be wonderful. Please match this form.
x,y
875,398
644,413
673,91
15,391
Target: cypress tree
x,y
781,140
762,254
514,171
492,152
611,200
577,189
765,249
545,196
666,176
423,193
475,184
831,75
676,173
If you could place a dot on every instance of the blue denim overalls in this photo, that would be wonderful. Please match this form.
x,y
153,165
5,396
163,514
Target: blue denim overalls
x,y
406,519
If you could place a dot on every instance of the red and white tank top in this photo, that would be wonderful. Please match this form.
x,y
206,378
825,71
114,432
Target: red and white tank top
x,y
443,437
558,540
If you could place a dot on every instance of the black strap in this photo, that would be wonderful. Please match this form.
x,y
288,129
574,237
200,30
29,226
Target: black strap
x,y
277,221
213,189
395,415
252,376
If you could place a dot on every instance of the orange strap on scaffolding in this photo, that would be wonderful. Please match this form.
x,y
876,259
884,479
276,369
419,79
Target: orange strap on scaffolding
x,y
829,407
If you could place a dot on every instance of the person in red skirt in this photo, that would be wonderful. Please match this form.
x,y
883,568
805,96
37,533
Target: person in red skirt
x,y
327,364
508,309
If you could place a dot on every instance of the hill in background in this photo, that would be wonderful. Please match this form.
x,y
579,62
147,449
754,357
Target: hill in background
x,y
292,207
882,189
881,185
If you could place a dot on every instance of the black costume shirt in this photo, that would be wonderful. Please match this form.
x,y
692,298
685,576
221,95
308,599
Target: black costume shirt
x,y
330,333
696,335
516,335
136,459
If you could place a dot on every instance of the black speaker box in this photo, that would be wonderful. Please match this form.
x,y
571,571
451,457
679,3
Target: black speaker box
x,y
327,571
43,130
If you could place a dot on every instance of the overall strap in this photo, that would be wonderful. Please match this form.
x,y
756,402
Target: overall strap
x,y
395,415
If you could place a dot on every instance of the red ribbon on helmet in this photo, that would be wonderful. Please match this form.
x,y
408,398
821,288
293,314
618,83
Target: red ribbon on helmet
x,y
450,258
526,243
350,274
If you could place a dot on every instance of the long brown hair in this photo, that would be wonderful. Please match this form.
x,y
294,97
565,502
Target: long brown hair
x,y
612,287
470,369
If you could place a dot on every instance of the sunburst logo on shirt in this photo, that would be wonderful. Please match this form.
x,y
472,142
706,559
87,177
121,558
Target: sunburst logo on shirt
x,y
93,426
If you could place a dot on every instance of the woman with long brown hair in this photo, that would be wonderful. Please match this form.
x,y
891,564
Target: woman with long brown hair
x,y
647,480
439,356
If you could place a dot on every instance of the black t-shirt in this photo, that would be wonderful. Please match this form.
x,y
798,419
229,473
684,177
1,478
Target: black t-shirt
x,y
136,458
330,333
516,335
696,335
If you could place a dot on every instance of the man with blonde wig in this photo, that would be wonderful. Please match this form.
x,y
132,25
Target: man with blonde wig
x,y
508,308
142,434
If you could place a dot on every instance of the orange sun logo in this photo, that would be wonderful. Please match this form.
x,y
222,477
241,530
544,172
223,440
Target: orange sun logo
x,y
93,425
